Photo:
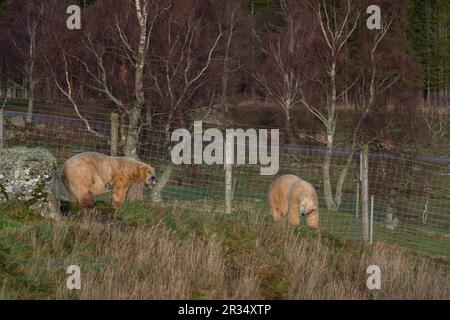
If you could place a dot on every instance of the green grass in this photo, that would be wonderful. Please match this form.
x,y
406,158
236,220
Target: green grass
x,y
428,239
198,210
346,225
14,253
256,257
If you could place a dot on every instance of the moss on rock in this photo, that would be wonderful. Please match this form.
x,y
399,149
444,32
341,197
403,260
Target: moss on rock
x,y
30,175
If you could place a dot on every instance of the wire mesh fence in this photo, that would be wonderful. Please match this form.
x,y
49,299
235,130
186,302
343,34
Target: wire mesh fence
x,y
411,197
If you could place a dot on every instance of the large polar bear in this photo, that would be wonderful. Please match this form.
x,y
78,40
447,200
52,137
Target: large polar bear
x,y
291,196
90,174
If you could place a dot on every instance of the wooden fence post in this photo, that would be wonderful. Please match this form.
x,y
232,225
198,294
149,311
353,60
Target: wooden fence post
x,y
365,191
114,134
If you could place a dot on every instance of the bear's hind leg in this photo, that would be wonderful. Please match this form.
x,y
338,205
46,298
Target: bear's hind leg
x,y
69,193
87,201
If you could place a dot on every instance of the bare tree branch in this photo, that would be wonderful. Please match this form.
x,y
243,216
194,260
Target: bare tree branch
x,y
68,93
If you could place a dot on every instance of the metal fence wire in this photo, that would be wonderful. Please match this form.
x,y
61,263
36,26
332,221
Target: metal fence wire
x,y
411,197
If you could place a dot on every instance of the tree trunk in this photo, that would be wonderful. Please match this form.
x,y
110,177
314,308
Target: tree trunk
x,y
289,133
1,128
132,135
161,183
166,168
136,191
327,190
30,102
25,88
8,91
341,180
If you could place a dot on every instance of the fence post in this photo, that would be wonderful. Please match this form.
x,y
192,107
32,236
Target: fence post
x,y
228,175
114,134
365,191
1,129
357,200
371,219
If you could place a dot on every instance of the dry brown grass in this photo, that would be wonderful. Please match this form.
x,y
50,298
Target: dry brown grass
x,y
177,254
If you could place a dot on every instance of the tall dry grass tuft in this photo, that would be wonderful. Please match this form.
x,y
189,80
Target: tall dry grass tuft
x,y
407,278
310,273
3,290
317,272
184,255
247,285
149,264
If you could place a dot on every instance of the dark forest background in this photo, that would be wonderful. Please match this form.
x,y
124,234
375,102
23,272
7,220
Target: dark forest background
x,y
256,62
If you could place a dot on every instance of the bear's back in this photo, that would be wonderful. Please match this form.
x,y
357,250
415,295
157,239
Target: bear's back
x,y
285,186
279,191
88,157
89,164
284,182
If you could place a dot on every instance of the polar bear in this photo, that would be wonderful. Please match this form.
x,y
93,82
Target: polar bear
x,y
291,196
90,174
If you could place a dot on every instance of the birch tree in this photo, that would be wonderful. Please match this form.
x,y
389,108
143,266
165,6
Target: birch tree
x,y
181,63
337,24
29,48
285,69
97,76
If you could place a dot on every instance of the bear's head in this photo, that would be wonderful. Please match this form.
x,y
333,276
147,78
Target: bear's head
x,y
307,206
146,174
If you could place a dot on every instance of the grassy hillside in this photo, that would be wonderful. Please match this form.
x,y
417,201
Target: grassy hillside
x,y
150,252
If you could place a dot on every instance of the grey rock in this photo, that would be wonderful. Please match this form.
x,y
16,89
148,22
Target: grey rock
x,y
30,176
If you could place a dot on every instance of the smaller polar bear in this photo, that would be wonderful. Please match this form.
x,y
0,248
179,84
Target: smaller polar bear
x,y
90,174
291,196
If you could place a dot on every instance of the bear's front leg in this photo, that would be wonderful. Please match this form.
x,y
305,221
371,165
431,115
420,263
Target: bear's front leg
x,y
293,214
294,218
312,220
119,194
276,213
